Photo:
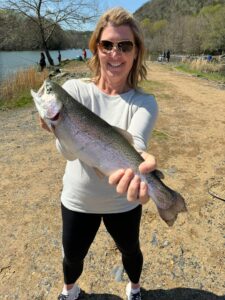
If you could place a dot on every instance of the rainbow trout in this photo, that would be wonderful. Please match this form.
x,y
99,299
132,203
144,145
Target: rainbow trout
x,y
99,144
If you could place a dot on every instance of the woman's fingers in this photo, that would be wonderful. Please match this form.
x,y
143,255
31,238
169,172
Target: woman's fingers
x,y
143,193
138,191
127,182
121,178
149,163
133,189
115,177
123,184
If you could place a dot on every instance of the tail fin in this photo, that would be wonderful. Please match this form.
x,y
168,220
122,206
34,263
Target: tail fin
x,y
170,214
168,202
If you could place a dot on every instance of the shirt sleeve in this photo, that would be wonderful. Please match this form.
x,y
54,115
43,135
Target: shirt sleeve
x,y
143,121
71,87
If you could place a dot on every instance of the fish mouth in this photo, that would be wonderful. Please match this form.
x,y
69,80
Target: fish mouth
x,y
55,118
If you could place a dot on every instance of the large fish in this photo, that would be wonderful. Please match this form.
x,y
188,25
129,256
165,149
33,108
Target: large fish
x,y
99,144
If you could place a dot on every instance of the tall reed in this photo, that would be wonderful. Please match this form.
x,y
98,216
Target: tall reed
x,y
205,66
19,84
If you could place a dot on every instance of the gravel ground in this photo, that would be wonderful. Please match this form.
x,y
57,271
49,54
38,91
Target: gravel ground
x,y
183,262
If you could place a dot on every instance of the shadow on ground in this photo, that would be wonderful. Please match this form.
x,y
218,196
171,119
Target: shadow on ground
x,y
173,294
84,296
180,294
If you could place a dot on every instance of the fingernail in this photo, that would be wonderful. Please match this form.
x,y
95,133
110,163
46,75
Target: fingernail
x,y
143,185
129,172
136,178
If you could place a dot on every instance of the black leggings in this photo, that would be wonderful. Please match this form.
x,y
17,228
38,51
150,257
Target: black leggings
x,y
79,230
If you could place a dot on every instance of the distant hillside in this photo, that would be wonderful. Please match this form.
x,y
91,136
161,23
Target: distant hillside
x,y
167,9
17,32
183,26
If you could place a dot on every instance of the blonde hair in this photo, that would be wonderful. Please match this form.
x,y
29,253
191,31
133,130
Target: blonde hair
x,y
118,17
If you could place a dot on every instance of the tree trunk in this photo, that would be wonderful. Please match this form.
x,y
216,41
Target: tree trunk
x,y
50,60
45,47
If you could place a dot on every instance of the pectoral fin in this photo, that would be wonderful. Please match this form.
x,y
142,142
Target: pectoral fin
x,y
99,173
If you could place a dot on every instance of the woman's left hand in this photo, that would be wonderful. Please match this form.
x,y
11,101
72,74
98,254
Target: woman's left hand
x,y
127,182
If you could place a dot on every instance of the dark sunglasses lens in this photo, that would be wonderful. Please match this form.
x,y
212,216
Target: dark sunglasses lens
x,y
106,45
125,46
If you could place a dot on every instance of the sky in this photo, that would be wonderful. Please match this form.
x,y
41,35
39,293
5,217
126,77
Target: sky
x,y
130,5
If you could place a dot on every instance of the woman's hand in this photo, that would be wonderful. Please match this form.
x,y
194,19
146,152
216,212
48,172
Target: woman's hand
x,y
43,124
127,182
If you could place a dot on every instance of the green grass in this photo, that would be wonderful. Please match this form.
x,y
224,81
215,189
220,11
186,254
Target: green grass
x,y
150,86
22,100
158,89
160,135
215,76
15,91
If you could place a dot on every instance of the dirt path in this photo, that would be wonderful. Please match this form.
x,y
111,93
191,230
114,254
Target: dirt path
x,y
181,263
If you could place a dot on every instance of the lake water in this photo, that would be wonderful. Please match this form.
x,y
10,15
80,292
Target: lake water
x,y
13,61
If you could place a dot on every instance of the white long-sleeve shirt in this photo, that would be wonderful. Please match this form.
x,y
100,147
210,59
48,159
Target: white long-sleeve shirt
x,y
134,111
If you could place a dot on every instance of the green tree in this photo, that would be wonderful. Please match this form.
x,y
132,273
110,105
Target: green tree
x,y
192,40
214,29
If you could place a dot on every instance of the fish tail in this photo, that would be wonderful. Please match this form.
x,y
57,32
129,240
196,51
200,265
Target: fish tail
x,y
169,203
169,215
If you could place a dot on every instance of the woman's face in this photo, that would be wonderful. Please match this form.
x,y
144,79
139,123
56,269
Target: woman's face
x,y
115,65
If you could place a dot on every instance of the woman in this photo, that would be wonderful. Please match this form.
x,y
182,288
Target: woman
x,y
117,62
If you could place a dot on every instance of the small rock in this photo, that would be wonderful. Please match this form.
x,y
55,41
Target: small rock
x,y
118,273
165,244
154,240
171,171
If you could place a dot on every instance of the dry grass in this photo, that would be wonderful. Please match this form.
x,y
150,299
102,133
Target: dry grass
x,y
20,83
204,66
15,91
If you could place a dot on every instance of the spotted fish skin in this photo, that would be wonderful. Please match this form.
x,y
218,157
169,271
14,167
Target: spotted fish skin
x,y
100,145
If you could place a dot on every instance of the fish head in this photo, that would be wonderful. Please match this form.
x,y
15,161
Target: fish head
x,y
47,101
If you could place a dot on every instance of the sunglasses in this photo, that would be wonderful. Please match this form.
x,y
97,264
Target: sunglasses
x,y
123,46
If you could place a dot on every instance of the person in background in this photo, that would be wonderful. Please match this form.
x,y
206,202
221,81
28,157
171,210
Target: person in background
x,y
59,57
87,200
168,55
42,61
209,58
84,54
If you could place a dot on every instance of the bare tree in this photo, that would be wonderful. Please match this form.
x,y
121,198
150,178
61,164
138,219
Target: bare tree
x,y
48,14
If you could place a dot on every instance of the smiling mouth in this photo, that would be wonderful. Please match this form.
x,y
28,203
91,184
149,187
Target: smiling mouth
x,y
115,65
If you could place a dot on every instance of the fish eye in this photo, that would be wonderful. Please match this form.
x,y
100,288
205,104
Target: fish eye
x,y
48,89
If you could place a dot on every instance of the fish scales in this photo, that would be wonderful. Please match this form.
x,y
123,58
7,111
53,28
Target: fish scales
x,y
100,145
100,138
